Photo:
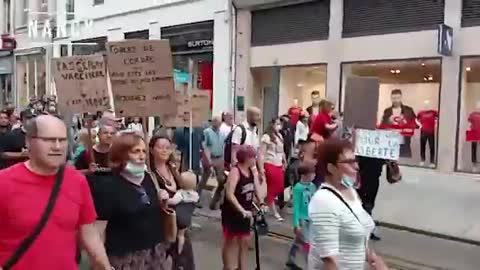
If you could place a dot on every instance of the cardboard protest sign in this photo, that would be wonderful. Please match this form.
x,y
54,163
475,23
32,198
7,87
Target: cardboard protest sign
x,y
198,103
361,102
81,83
141,75
382,144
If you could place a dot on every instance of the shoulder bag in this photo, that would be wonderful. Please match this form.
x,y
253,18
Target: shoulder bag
x,y
168,214
28,241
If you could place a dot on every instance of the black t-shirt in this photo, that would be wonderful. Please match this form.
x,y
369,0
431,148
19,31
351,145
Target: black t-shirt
x,y
13,141
83,160
133,214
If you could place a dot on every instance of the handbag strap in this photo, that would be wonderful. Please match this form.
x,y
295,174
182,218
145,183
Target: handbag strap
x,y
28,241
343,200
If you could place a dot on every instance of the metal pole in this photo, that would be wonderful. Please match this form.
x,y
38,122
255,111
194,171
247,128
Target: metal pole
x,y
190,87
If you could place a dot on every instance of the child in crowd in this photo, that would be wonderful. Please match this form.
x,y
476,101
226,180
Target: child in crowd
x,y
302,193
305,151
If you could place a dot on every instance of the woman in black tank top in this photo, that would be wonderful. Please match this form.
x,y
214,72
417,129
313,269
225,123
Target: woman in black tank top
x,y
242,185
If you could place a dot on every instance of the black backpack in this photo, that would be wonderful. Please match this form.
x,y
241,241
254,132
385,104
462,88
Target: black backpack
x,y
227,150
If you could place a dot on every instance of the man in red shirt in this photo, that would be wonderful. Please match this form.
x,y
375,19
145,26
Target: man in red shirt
x,y
323,126
24,191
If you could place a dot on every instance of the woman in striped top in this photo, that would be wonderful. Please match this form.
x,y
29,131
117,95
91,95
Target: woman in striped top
x,y
340,227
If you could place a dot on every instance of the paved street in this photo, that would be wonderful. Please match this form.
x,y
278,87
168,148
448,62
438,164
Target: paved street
x,y
402,250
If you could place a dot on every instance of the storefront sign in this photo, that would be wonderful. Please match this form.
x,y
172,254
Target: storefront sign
x,y
197,104
382,144
81,83
68,29
141,74
445,40
199,43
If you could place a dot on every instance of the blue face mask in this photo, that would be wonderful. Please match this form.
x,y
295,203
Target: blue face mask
x,y
348,181
135,170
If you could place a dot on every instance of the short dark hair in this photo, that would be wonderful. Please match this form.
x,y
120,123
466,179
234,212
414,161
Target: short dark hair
x,y
306,167
315,92
329,152
28,114
396,92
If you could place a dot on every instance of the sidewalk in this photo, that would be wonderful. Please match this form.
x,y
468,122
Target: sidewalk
x,y
433,202
430,202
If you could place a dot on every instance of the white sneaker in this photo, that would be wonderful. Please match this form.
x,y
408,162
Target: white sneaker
x,y
422,163
432,165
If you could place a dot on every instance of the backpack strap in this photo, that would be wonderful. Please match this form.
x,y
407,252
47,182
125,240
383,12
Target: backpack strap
x,y
343,201
244,134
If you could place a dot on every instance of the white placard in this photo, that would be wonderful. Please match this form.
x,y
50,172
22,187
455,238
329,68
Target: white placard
x,y
383,144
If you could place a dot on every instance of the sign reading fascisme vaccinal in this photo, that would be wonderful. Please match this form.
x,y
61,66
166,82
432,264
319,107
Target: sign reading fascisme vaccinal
x,y
81,83
141,75
382,144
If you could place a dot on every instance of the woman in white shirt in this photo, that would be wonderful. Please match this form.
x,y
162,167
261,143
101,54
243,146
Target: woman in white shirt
x,y
272,151
302,130
340,226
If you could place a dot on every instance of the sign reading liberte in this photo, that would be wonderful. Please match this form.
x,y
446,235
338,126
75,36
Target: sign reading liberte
x,y
382,144
141,75
81,83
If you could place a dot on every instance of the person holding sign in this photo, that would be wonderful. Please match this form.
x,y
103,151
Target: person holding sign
x,y
99,164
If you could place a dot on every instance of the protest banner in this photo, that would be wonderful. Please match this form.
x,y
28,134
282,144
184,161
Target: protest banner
x,y
141,75
81,83
382,144
198,104
361,102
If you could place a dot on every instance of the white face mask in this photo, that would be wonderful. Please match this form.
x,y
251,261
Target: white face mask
x,y
348,181
278,127
135,170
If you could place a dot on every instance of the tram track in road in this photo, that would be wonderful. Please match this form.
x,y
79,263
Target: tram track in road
x,y
395,263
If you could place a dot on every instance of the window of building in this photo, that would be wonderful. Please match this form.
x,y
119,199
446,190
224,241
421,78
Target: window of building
x,y
277,90
408,102
98,2
6,16
469,116
89,46
70,9
374,17
470,13
293,23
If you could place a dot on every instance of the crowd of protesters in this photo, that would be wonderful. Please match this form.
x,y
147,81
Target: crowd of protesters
x,y
127,199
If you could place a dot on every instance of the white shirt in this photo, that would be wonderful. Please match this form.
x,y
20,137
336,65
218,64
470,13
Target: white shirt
x,y
301,132
225,129
336,232
274,151
251,138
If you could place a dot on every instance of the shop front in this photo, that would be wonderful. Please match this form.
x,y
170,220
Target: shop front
x,y
192,50
31,74
468,131
408,102
6,73
283,90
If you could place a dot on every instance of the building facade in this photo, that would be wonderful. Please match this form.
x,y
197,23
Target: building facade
x,y
286,51
198,30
